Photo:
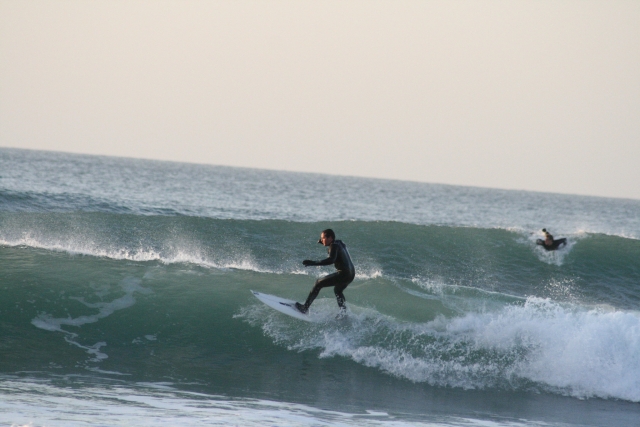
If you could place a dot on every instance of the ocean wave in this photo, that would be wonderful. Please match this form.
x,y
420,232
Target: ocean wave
x,y
599,267
443,330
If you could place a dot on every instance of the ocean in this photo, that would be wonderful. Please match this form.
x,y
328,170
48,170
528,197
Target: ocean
x,y
125,300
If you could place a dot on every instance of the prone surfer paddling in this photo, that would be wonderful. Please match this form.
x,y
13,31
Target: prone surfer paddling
x,y
549,243
339,256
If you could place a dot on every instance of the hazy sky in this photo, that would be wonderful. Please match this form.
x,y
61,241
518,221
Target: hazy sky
x,y
533,95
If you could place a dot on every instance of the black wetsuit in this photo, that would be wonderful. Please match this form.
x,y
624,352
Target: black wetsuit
x,y
555,245
339,256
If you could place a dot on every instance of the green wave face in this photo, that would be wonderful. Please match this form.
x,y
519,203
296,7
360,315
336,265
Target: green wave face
x,y
167,298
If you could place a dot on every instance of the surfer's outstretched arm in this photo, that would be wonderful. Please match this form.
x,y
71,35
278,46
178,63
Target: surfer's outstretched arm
x,y
331,259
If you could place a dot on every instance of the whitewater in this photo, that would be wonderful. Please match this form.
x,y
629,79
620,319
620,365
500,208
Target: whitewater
x,y
125,300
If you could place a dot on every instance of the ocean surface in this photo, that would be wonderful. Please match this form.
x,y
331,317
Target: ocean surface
x,y
125,300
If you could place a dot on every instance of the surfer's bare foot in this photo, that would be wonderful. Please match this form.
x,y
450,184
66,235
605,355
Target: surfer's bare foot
x,y
341,315
301,308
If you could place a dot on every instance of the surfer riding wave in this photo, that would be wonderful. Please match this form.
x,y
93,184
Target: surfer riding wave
x,y
339,257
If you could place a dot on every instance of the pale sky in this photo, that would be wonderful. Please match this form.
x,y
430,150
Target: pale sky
x,y
529,95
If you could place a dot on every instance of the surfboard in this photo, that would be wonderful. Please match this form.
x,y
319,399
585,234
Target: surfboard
x,y
285,306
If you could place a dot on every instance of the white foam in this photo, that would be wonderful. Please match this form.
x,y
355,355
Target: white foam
x,y
190,255
369,274
563,349
49,323
23,401
187,254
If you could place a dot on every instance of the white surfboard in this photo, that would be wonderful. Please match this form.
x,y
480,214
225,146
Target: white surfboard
x,y
285,306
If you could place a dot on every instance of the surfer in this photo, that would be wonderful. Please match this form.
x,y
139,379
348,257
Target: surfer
x,y
549,243
339,256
